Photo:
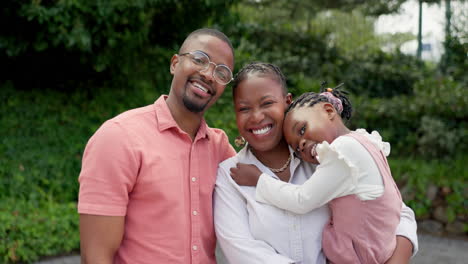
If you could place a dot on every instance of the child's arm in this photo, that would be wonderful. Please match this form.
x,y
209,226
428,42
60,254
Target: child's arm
x,y
331,179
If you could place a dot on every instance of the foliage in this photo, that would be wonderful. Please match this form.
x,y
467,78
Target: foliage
x,y
297,9
454,61
61,42
430,124
358,39
382,74
329,50
415,175
31,229
44,134
296,53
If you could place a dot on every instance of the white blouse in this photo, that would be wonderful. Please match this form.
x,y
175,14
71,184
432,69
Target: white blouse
x,y
257,233
346,167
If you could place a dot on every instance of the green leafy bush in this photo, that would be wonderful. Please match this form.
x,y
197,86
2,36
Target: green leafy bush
x,y
381,74
314,53
44,134
31,229
431,123
414,176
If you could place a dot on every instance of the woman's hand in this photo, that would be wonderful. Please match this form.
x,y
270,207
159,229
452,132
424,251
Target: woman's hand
x,y
403,251
245,174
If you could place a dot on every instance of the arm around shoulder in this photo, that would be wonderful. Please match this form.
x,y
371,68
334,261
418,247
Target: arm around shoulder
x,y
406,236
408,228
100,238
403,251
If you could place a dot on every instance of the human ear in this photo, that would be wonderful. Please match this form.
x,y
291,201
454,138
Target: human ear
x,y
330,110
288,99
174,62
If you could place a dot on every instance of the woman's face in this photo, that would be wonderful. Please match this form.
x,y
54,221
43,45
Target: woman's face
x,y
305,127
259,103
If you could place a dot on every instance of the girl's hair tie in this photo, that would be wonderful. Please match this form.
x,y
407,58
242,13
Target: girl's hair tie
x,y
335,101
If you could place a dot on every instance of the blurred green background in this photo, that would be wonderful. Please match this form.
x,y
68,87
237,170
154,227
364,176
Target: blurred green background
x,y
66,66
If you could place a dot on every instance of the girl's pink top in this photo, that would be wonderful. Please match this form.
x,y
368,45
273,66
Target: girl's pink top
x,y
364,231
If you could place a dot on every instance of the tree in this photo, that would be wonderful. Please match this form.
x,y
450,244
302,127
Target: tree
x,y
332,45
54,41
454,61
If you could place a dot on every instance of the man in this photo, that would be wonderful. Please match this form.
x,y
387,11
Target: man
x,y
148,174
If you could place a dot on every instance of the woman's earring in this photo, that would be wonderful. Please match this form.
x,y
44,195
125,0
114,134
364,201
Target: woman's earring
x,y
239,141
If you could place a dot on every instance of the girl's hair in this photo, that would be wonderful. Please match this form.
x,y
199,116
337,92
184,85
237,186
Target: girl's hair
x,y
261,69
311,98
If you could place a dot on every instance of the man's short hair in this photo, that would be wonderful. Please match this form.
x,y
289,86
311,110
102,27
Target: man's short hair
x,y
207,31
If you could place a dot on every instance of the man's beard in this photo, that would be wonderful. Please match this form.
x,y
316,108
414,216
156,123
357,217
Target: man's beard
x,y
192,106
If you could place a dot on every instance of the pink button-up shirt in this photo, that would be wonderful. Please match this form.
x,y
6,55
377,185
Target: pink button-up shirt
x,y
141,165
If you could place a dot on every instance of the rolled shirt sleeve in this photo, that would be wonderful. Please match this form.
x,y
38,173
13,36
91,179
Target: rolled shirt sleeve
x,y
109,170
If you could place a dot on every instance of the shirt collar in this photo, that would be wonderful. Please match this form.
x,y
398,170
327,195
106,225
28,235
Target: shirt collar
x,y
166,121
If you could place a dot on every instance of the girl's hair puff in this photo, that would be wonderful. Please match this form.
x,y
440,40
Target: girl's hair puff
x,y
261,69
311,98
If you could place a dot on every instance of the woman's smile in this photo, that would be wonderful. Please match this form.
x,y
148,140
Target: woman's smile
x,y
261,131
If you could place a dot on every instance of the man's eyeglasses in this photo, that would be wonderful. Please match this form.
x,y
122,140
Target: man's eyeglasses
x,y
222,74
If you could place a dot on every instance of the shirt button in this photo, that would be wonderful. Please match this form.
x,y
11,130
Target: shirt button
x,y
194,179
195,212
194,247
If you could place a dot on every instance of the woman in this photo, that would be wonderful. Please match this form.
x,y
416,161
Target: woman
x,y
252,232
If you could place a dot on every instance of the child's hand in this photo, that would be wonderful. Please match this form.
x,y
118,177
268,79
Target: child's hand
x,y
245,174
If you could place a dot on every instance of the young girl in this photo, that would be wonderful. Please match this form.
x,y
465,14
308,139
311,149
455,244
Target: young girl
x,y
353,178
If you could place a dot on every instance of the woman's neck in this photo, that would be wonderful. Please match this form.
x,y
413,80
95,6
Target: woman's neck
x,y
275,157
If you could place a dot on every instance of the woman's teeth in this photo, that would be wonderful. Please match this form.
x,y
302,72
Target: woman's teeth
x,y
261,131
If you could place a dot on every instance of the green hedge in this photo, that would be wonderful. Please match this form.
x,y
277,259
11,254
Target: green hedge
x,y
44,134
430,124
414,176
43,137
33,229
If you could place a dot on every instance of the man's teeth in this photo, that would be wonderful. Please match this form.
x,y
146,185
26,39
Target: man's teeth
x,y
261,130
200,87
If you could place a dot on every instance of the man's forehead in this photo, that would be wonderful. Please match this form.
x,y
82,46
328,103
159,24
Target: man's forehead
x,y
211,45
